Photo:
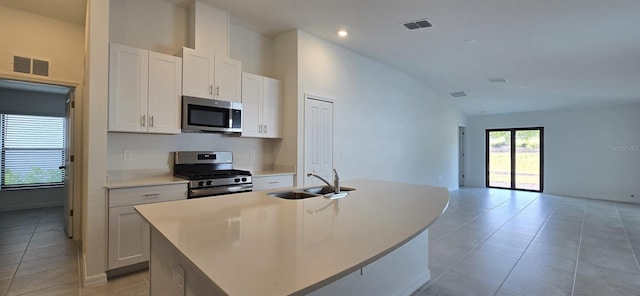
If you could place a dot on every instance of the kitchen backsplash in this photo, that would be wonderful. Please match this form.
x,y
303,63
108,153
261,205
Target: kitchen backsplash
x,y
154,152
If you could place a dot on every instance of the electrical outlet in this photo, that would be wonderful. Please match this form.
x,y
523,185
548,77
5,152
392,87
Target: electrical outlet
x,y
126,155
252,154
439,179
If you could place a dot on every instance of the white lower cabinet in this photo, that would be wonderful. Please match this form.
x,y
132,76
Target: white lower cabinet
x,y
128,242
272,182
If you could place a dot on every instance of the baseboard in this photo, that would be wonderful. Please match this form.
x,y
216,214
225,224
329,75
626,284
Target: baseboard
x,y
419,281
32,206
94,280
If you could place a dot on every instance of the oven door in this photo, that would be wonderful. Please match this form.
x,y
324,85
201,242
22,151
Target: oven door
x,y
211,115
220,190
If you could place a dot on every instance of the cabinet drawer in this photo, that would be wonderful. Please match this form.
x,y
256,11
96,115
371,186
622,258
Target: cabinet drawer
x,y
147,194
272,182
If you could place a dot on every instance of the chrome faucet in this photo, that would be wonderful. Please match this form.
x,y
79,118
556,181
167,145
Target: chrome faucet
x,y
336,181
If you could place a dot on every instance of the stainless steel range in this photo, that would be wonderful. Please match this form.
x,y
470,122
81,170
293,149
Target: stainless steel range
x,y
210,173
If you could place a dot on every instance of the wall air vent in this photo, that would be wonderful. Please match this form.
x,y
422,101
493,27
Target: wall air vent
x,y
458,94
40,67
30,66
417,24
21,65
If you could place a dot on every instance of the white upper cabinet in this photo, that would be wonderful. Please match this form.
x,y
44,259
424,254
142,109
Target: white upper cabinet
x,y
144,91
262,103
165,84
207,76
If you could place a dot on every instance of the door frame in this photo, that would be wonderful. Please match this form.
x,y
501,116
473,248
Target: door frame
x,y
513,159
77,142
462,155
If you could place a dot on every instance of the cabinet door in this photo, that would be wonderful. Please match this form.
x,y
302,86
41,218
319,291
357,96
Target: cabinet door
x,y
128,237
251,100
197,73
271,108
165,88
128,82
228,76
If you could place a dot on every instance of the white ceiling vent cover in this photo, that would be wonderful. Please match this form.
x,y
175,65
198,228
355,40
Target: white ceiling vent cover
x,y
458,94
417,24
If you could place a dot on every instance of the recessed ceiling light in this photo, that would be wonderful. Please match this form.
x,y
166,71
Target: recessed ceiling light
x,y
343,33
458,94
470,41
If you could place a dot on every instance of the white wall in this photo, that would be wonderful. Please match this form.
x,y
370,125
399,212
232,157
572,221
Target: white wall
x,y
253,49
388,124
94,143
590,152
30,35
148,24
154,152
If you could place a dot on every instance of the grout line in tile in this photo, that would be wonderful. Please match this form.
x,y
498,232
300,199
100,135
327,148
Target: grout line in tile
x,y
575,270
626,235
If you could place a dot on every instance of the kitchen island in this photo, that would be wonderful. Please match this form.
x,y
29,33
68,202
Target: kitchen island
x,y
372,242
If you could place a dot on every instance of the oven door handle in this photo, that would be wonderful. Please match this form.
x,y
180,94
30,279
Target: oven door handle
x,y
204,192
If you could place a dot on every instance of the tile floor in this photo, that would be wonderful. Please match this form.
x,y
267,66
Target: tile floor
x,y
501,242
489,242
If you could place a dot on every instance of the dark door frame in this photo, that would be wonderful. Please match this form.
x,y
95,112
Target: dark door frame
x,y
513,159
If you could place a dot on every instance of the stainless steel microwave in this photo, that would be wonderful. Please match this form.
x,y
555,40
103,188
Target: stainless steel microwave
x,y
207,115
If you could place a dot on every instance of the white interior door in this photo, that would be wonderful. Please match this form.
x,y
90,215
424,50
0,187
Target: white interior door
x,y
318,140
68,164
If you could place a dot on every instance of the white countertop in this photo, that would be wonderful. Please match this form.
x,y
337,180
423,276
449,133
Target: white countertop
x,y
138,178
255,244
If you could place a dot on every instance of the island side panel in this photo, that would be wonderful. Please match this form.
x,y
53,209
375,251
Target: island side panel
x,y
171,274
400,272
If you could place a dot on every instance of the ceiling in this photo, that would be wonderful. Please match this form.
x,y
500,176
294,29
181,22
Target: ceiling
x,y
554,54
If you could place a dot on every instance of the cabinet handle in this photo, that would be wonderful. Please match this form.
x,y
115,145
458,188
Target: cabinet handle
x,y
143,120
260,128
210,89
274,182
151,195
151,121
217,91
265,128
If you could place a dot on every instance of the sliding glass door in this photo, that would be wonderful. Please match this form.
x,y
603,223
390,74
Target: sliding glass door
x,y
515,158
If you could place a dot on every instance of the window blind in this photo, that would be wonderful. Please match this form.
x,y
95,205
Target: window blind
x,y
32,150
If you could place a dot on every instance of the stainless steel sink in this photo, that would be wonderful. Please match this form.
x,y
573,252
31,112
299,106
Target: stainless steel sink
x,y
292,194
323,190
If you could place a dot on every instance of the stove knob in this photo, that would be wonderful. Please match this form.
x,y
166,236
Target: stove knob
x,y
237,180
208,182
201,183
244,179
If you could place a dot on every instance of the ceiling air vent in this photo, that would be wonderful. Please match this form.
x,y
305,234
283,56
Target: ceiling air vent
x,y
29,66
458,94
417,24
498,80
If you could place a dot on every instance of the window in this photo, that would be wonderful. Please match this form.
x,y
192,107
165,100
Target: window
x,y
32,151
